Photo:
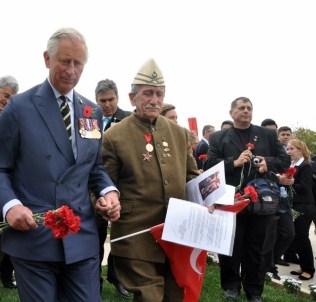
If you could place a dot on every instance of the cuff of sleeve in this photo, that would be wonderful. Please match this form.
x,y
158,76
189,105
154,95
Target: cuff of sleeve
x,y
8,206
109,189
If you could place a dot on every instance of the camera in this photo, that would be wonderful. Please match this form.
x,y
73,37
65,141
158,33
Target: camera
x,y
255,160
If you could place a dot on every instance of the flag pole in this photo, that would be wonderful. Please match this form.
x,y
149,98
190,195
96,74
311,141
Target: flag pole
x,y
130,235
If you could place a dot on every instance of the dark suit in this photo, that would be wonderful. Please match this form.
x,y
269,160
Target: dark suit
x,y
37,167
117,117
201,148
303,202
255,234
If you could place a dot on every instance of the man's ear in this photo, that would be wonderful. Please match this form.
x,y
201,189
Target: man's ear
x,y
132,98
47,59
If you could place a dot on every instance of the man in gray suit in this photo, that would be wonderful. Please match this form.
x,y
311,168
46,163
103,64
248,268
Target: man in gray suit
x,y
43,167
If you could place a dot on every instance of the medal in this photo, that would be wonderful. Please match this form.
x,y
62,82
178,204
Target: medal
x,y
89,128
149,147
147,156
165,148
96,133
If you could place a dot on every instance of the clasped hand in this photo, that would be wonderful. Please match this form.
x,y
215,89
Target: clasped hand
x,y
108,206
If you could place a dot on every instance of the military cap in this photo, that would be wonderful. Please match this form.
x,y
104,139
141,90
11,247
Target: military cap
x,y
149,74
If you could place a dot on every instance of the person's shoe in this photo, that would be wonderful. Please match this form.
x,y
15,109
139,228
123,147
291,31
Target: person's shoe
x,y
282,262
121,290
255,299
9,285
231,294
296,273
305,276
273,269
276,276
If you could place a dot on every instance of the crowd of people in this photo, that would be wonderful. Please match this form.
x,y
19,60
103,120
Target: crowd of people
x,y
117,169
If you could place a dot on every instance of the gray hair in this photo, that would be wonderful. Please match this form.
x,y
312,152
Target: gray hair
x,y
243,99
136,87
11,82
65,33
105,85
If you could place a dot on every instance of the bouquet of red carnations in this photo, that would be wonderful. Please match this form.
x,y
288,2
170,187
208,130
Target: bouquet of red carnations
x,y
61,221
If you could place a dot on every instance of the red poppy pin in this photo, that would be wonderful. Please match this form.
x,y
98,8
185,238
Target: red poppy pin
x,y
87,111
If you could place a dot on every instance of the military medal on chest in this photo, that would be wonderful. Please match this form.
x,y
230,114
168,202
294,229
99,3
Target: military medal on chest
x,y
89,128
149,147
165,148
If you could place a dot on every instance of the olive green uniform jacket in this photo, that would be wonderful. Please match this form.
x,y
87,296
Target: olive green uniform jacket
x,y
146,185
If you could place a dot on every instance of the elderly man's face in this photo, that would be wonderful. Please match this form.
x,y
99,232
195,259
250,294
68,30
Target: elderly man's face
x,y
148,101
5,93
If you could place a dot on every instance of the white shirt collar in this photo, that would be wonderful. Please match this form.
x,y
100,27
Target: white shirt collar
x,y
298,162
69,95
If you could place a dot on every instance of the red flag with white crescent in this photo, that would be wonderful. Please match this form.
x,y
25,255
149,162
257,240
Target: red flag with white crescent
x,y
187,264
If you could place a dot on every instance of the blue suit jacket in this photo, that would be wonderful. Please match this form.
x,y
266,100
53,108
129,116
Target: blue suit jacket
x,y
37,166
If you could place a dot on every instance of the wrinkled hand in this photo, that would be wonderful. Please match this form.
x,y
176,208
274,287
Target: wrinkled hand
x,y
21,218
285,180
108,206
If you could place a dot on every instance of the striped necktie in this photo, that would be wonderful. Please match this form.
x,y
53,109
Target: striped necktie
x,y
65,112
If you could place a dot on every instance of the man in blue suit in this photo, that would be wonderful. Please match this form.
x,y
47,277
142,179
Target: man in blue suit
x,y
42,167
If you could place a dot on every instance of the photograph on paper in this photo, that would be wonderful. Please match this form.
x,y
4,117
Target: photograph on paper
x,y
210,187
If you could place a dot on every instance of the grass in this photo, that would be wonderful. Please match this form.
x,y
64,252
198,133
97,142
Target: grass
x,y
211,291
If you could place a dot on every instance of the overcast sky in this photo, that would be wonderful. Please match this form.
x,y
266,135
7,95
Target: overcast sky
x,y
210,52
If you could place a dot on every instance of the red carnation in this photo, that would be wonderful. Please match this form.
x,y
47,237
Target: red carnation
x,y
203,157
290,172
251,192
250,146
62,221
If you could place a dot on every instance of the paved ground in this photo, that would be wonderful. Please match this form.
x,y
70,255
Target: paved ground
x,y
283,270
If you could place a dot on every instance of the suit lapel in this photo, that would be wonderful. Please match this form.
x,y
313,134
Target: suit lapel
x,y
254,135
81,143
47,106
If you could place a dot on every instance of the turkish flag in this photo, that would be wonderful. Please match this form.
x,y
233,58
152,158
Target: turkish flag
x,y
187,264
237,207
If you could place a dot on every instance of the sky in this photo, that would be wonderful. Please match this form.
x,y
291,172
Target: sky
x,y
210,52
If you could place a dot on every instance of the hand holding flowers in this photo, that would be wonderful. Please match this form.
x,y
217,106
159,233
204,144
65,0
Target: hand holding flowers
x,y
61,221
287,178
244,157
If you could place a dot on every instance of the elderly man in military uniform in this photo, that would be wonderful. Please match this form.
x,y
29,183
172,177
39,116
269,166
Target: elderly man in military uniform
x,y
150,159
